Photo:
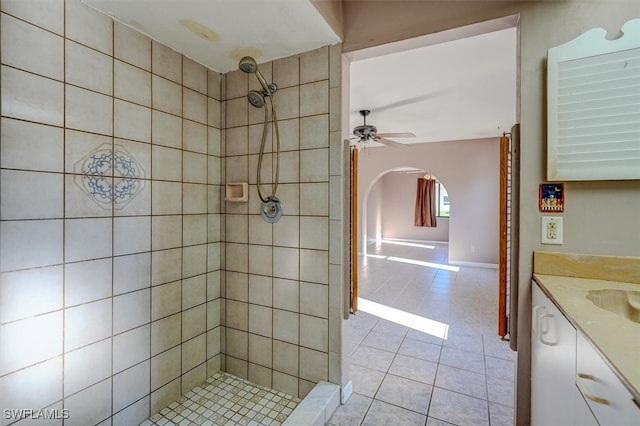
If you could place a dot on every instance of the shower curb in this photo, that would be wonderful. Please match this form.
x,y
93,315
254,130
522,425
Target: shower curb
x,y
317,407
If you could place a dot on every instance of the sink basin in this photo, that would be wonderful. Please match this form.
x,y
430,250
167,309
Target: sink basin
x,y
625,303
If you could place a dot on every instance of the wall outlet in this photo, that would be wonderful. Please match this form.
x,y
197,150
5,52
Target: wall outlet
x,y
551,230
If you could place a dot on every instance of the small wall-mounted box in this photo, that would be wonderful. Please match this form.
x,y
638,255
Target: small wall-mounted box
x,y
237,192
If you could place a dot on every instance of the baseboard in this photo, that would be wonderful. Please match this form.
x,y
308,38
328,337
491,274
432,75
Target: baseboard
x,y
417,241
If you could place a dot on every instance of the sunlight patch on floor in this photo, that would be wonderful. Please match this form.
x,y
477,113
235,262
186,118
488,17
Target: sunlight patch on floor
x,y
407,244
423,263
416,322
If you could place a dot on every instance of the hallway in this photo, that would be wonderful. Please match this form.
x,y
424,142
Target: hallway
x,y
423,348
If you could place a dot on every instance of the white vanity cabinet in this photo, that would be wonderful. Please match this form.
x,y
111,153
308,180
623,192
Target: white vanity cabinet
x,y
571,384
553,364
609,400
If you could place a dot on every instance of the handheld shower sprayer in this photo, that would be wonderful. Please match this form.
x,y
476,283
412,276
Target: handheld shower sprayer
x,y
271,208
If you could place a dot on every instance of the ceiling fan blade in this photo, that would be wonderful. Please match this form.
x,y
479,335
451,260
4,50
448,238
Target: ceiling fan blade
x,y
389,142
396,135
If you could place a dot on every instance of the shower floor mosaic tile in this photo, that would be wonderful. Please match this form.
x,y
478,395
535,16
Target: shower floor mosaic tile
x,y
227,400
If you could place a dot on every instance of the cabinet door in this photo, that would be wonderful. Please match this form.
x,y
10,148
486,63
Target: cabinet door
x,y
584,416
607,397
553,352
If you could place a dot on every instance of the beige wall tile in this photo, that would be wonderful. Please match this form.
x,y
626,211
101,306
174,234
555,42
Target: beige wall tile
x,y
166,197
213,84
131,83
30,195
165,367
131,310
131,234
314,333
165,300
237,84
314,233
285,383
166,62
88,111
260,259
286,294
165,395
28,244
237,257
166,163
18,352
314,299
87,68
214,113
166,129
195,167
237,344
314,131
237,315
166,95
194,199
87,281
41,286
17,389
285,357
314,365
260,375
131,46
314,266
31,97
260,290
194,136
88,26
285,263
91,405
286,326
87,366
194,260
165,333
286,71
237,286
194,377
260,350
194,75
135,413
260,321
194,229
314,98
314,65
49,15
31,146
87,239
131,385
87,323
194,106
131,121
166,232
194,322
30,48
314,199
288,103
131,347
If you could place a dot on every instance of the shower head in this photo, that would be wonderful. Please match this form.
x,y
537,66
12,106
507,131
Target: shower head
x,y
248,65
255,98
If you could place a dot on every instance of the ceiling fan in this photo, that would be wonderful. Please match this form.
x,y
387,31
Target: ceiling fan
x,y
369,133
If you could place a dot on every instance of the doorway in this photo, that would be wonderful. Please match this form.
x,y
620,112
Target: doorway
x,y
396,118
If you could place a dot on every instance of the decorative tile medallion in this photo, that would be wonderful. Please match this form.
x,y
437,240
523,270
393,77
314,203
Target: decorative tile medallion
x,y
110,176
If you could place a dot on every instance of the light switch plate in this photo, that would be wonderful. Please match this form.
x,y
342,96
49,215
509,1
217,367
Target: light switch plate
x,y
551,230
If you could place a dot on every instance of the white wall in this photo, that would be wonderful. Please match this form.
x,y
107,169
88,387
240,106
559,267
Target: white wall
x,y
469,171
399,190
375,212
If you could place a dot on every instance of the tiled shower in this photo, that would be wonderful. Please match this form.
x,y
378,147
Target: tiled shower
x,y
127,279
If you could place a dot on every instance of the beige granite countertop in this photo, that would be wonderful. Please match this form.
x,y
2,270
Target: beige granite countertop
x,y
616,338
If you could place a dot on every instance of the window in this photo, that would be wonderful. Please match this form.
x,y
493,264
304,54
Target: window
x,y
442,205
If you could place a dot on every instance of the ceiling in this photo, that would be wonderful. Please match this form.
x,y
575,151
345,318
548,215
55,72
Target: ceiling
x,y
217,33
452,85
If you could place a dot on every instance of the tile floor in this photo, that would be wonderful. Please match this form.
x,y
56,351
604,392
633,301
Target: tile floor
x,y
403,371
227,400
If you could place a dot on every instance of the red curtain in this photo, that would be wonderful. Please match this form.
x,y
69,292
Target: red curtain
x,y
425,214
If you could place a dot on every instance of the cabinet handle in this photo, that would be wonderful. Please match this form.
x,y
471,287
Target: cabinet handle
x,y
534,313
541,333
585,392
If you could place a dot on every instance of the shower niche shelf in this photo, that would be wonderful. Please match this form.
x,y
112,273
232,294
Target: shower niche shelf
x,y
237,192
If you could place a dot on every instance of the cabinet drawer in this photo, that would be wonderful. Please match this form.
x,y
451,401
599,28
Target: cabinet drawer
x,y
607,397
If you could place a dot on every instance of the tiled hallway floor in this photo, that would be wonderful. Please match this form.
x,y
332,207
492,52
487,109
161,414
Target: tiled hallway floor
x,y
434,358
